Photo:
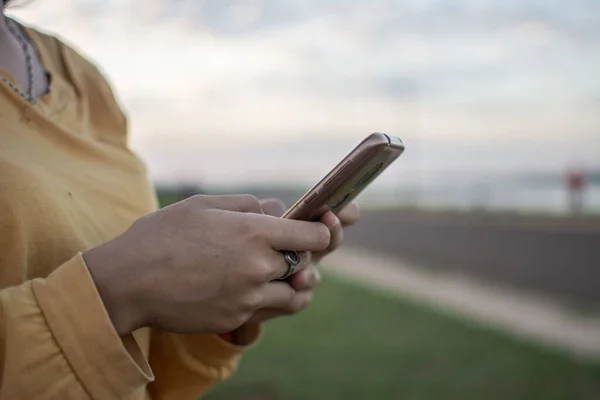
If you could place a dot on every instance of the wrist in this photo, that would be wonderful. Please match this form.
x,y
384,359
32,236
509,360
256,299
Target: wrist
x,y
113,291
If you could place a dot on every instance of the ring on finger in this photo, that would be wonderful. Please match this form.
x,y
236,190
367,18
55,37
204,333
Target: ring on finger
x,y
293,259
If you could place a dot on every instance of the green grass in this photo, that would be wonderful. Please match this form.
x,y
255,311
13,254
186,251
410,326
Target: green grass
x,y
165,199
353,343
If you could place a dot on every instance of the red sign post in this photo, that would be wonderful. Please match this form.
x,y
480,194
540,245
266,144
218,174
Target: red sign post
x,y
576,182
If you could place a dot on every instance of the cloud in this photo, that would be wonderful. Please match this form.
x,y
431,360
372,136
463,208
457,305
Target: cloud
x,y
211,75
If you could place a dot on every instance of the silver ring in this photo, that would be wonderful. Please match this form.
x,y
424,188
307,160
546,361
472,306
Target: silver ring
x,y
293,259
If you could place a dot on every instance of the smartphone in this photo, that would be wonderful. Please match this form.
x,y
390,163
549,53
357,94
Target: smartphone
x,y
349,178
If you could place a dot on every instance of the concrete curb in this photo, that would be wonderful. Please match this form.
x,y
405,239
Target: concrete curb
x,y
522,314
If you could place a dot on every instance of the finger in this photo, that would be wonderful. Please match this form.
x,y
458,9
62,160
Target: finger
x,y
276,295
298,302
241,203
287,234
350,214
329,219
300,280
307,279
281,266
273,207
333,223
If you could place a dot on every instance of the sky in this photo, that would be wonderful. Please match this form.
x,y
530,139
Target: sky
x,y
237,91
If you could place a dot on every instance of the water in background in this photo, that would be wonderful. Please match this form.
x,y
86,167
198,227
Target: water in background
x,y
551,198
548,198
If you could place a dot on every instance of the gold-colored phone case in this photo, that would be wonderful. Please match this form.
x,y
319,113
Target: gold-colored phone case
x,y
349,178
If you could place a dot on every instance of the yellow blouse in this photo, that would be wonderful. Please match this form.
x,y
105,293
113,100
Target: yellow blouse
x,y
68,182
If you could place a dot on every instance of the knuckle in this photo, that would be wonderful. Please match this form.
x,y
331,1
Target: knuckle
x,y
249,201
307,300
251,302
194,205
287,302
199,199
261,272
291,297
299,303
306,258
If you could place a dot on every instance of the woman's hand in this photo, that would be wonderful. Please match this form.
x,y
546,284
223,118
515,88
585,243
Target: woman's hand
x,y
348,216
306,281
203,265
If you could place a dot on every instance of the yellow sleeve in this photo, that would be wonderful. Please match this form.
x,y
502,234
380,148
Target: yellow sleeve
x,y
187,366
57,341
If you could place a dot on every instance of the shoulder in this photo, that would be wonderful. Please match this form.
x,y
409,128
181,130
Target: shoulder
x,y
66,58
94,89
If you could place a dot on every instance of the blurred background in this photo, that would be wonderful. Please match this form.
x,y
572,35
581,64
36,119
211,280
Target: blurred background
x,y
498,104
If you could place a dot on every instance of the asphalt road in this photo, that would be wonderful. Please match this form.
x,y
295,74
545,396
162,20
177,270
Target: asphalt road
x,y
557,257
